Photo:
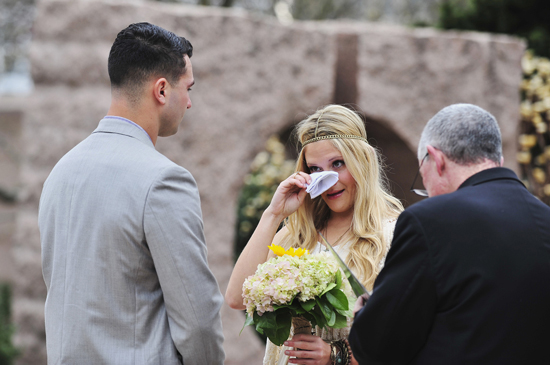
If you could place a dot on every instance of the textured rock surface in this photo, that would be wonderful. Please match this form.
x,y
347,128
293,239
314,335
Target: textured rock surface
x,y
254,78
407,75
10,133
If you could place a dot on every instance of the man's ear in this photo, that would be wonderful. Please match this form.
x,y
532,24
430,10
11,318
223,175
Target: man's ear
x,y
160,90
438,157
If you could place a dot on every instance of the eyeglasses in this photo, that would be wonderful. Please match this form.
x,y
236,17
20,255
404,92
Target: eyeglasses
x,y
421,192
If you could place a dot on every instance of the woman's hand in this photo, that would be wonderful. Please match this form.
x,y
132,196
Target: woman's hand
x,y
308,350
290,194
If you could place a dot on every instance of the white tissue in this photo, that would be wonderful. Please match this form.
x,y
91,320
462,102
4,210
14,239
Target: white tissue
x,y
321,182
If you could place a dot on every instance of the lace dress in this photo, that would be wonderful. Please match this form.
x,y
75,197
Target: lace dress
x,y
275,355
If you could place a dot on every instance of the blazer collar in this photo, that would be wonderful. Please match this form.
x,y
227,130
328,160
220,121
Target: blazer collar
x,y
496,173
123,126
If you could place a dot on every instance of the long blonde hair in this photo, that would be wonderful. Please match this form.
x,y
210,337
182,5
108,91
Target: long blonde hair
x,y
373,207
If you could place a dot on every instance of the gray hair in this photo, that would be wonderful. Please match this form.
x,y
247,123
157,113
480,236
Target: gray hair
x,y
465,133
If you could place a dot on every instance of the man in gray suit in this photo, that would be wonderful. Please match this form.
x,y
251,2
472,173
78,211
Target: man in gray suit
x,y
123,251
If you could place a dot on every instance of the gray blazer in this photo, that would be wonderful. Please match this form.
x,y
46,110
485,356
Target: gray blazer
x,y
124,257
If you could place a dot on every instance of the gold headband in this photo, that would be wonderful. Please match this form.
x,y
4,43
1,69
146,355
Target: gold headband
x,y
334,136
331,136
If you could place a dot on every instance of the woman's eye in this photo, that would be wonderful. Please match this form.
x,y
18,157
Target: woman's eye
x,y
338,164
314,169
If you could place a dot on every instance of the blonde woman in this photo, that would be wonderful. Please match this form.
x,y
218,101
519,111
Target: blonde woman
x,y
356,215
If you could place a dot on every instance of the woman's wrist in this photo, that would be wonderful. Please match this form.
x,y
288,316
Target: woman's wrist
x,y
273,217
340,353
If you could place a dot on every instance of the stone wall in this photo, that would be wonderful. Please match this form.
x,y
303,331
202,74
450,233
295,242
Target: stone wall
x,y
10,133
254,77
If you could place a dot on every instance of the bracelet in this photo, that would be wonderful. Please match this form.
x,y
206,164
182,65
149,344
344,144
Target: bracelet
x,y
340,353
349,350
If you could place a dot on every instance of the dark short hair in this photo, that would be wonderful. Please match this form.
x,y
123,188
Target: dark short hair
x,y
143,50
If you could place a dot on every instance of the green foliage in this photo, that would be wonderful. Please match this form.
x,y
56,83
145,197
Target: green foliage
x,y
330,309
268,169
7,351
525,18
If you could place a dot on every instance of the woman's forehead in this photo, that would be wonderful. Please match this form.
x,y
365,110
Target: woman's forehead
x,y
321,151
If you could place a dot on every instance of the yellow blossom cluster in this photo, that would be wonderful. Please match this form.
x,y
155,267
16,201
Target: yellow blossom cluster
x,y
280,251
534,140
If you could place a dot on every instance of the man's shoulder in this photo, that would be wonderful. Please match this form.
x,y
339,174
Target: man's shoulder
x,y
124,155
434,204
480,188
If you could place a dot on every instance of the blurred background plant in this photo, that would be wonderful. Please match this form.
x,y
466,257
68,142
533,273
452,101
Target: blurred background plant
x,y
8,352
534,140
268,169
529,19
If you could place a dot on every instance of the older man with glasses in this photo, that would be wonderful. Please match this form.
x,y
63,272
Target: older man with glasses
x,y
465,278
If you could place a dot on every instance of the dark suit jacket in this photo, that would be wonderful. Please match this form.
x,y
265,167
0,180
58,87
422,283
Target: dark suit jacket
x,y
466,281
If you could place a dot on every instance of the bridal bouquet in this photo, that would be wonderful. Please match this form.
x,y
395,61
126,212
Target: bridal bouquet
x,y
296,284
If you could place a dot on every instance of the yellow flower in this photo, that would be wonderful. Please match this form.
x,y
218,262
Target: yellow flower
x,y
279,251
527,141
524,157
541,128
537,119
526,110
539,175
539,107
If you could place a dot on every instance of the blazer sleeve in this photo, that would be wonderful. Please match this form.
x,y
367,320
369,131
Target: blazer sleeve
x,y
174,232
395,323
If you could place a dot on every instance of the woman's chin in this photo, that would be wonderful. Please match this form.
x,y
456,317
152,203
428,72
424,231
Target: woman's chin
x,y
340,208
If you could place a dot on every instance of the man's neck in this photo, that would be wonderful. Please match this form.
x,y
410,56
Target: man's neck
x,y
137,114
461,173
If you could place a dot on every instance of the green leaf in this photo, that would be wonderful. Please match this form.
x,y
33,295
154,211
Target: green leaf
x,y
338,299
340,322
274,325
332,319
281,331
311,318
327,310
267,321
338,279
319,316
249,320
308,306
347,313
328,288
